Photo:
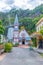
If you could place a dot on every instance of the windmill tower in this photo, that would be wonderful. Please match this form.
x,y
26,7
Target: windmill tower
x,y
16,30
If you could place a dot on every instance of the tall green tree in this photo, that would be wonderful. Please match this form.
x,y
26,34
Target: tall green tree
x,y
1,28
41,31
27,23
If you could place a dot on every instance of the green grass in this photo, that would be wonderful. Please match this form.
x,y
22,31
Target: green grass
x,y
41,54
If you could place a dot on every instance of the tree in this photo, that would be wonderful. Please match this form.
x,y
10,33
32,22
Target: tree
x,y
27,23
1,28
41,31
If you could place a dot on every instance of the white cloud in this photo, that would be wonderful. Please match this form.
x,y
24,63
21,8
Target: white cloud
x,y
9,2
4,6
30,4
24,4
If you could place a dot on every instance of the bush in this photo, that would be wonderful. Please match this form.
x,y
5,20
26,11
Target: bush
x,y
1,43
8,47
16,45
34,42
1,46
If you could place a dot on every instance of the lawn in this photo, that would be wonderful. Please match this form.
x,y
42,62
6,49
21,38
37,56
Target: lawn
x,y
41,54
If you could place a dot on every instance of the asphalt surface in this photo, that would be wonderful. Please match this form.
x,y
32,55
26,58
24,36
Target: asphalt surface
x,y
22,56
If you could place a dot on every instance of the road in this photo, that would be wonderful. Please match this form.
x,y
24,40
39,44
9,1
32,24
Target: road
x,y
22,56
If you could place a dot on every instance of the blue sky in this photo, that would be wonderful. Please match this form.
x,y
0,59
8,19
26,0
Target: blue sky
x,y
24,4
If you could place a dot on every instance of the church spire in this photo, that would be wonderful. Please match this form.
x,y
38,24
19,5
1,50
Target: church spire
x,y
16,20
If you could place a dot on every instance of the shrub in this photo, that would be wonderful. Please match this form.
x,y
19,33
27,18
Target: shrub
x,y
16,45
1,46
1,43
8,47
34,42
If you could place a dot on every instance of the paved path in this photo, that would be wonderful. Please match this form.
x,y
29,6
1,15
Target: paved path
x,y
38,50
22,56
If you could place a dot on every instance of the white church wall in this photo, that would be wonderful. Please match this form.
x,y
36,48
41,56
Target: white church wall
x,y
26,43
15,41
10,33
20,43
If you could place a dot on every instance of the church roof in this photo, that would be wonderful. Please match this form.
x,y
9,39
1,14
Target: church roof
x,y
24,33
41,20
16,20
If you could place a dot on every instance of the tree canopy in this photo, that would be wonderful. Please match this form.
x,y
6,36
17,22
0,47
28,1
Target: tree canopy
x,y
41,31
27,18
1,28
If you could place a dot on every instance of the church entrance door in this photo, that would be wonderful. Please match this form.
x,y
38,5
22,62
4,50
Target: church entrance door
x,y
23,41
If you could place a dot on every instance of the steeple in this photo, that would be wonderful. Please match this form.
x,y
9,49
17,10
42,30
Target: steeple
x,y
16,30
16,20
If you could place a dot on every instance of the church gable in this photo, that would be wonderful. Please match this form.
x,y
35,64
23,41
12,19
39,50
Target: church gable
x,y
24,34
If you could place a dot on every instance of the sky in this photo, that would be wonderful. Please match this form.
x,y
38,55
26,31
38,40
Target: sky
x,y
24,4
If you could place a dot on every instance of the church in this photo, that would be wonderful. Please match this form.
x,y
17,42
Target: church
x,y
21,37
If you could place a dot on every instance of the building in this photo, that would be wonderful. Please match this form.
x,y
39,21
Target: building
x,y
21,37
37,35
39,25
24,37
